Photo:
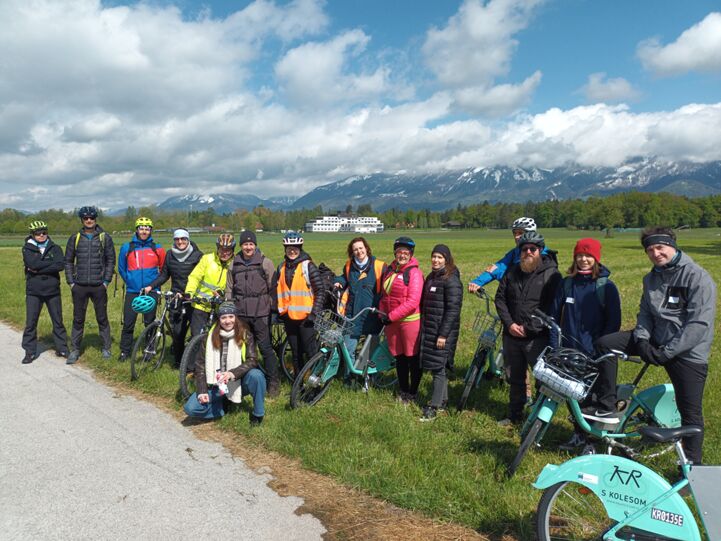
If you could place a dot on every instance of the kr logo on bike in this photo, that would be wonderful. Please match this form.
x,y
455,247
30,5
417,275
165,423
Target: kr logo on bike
x,y
624,480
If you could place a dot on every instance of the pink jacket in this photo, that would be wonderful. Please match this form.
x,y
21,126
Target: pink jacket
x,y
402,301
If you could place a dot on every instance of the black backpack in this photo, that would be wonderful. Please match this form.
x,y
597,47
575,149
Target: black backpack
x,y
327,276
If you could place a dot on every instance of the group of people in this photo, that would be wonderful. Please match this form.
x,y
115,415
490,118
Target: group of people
x,y
421,315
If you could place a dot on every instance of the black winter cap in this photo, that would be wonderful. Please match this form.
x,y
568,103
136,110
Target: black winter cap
x,y
247,236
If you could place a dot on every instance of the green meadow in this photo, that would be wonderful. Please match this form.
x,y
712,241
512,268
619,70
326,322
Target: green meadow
x,y
452,469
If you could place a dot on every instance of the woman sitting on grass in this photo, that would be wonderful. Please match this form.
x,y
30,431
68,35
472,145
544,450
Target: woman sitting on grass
x,y
226,369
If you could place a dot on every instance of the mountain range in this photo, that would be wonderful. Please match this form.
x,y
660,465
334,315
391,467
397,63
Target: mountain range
x,y
438,191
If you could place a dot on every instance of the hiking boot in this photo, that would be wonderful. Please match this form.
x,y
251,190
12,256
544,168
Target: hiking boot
x,y
29,357
73,357
255,420
602,416
576,441
429,414
106,354
273,388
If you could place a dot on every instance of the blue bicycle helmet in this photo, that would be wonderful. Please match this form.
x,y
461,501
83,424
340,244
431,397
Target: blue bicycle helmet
x,y
142,304
87,212
406,242
292,239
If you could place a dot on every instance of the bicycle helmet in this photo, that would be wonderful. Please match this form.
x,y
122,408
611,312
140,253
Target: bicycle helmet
x,y
572,361
87,212
37,225
292,239
404,241
225,240
531,237
143,221
524,223
142,304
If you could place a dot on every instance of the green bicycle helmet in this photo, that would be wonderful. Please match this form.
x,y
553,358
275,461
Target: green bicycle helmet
x,y
37,225
142,304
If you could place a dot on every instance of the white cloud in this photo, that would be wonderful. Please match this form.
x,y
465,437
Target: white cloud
x,y
499,100
696,49
599,88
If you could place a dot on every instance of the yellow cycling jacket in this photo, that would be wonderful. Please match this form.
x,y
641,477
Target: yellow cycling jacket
x,y
208,276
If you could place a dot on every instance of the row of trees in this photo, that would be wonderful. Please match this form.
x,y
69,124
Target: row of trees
x,y
626,210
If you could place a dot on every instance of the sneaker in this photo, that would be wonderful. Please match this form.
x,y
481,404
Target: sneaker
x,y
273,388
402,398
73,357
429,414
602,416
588,449
576,441
254,420
122,357
63,354
106,354
29,357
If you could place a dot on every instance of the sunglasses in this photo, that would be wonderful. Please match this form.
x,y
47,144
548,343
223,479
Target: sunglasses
x,y
88,218
532,249
40,232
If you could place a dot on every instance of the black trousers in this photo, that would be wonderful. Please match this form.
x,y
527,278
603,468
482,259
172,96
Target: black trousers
x,y
198,319
99,296
179,323
260,327
301,337
688,380
129,317
408,369
518,355
33,307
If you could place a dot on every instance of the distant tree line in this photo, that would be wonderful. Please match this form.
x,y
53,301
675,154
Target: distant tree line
x,y
624,210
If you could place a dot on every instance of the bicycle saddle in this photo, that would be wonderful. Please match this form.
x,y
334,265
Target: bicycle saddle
x,y
668,434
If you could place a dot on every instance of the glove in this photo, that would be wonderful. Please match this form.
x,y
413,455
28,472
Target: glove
x,y
384,318
650,354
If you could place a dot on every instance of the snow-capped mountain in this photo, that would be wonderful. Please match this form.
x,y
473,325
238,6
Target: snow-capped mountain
x,y
223,202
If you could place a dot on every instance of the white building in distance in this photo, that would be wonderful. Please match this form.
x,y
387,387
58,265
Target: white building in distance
x,y
345,224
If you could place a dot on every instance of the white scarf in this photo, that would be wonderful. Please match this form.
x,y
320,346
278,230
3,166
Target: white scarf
x,y
236,356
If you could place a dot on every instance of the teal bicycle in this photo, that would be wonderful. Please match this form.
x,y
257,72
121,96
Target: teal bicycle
x,y
567,375
372,366
607,497
487,363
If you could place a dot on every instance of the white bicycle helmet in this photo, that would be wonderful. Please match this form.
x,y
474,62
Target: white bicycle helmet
x,y
527,224
292,239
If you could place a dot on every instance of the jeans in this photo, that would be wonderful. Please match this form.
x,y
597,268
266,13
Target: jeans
x,y
439,398
252,383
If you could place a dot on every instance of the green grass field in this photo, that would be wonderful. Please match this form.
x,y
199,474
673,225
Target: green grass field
x,y
451,469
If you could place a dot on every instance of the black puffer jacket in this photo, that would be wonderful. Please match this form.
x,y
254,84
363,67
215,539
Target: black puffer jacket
x,y
316,282
250,283
42,270
177,271
440,316
92,262
520,293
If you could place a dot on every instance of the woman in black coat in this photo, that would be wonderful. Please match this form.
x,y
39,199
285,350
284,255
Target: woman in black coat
x,y
440,321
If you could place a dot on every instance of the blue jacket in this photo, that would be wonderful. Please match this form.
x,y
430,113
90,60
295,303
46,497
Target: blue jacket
x,y
139,263
584,320
362,294
513,257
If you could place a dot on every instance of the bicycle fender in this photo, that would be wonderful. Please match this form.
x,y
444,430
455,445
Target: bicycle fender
x,y
661,400
626,487
547,410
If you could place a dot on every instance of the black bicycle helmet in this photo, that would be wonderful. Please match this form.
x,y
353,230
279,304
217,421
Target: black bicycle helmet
x,y
532,237
571,361
404,241
87,212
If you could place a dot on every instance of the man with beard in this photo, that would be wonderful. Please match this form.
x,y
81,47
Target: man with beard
x,y
527,286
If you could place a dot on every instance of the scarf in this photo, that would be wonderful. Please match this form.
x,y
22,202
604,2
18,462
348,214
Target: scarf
x,y
40,245
182,255
362,265
228,357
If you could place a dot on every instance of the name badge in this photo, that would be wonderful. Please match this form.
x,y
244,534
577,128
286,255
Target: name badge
x,y
433,288
570,300
399,277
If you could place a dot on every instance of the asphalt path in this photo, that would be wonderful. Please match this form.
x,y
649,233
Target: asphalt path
x,y
80,461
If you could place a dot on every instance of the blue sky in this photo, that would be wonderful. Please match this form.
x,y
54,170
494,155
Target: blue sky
x,y
132,102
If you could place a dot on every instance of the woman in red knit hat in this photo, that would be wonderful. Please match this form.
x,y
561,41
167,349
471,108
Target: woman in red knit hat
x,y
587,306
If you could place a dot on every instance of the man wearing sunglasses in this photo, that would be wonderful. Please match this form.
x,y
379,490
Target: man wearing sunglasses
x,y
89,268
43,260
529,285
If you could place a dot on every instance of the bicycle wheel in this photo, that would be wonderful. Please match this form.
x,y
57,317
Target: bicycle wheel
x,y
383,380
529,440
277,337
187,379
309,387
635,447
285,359
471,376
571,511
148,350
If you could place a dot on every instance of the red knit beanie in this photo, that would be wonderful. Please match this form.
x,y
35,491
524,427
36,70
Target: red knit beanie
x,y
588,246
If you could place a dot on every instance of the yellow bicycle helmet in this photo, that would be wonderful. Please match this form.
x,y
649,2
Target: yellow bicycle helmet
x,y
143,221
37,225
225,240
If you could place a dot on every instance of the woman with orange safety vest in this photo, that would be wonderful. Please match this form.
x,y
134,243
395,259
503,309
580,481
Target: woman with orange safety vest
x,y
361,285
299,293
400,303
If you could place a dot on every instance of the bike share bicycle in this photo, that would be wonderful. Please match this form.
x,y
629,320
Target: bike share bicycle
x,y
373,364
149,349
186,375
567,375
487,363
609,497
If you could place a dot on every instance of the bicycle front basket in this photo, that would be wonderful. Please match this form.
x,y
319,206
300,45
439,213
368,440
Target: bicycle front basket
x,y
568,372
487,327
331,327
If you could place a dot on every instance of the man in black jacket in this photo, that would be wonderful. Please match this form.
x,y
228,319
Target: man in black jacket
x,y
180,261
528,285
89,267
43,260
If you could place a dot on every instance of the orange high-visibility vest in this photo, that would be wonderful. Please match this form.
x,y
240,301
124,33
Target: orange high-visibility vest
x,y
296,301
377,268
